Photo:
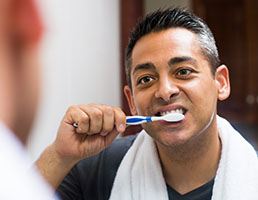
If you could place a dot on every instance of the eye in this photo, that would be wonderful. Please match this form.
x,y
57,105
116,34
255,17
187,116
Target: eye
x,y
184,73
144,80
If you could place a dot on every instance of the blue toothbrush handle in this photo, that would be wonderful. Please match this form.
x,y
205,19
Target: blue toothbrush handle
x,y
135,120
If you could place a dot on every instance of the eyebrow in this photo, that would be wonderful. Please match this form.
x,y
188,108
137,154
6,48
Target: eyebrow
x,y
177,60
149,66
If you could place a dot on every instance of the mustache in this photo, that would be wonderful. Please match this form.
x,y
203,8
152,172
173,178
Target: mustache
x,y
163,102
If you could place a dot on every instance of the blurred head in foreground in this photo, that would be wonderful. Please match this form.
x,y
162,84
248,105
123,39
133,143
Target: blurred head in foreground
x,y
20,32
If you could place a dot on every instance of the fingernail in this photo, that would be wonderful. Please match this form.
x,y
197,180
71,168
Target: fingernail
x,y
103,133
121,128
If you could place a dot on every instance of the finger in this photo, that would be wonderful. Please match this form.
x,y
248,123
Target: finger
x,y
79,119
83,123
95,118
108,120
120,120
111,137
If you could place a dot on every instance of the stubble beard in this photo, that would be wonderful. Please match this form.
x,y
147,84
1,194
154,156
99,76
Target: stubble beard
x,y
188,151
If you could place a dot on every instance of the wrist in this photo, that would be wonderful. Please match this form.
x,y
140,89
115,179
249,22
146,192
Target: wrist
x,y
62,160
53,166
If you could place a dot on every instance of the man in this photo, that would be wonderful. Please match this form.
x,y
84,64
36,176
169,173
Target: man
x,y
172,65
20,31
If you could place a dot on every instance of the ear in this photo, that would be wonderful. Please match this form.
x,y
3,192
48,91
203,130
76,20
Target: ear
x,y
130,100
27,25
222,82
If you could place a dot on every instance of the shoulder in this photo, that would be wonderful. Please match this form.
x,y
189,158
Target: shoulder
x,y
111,157
120,146
16,173
93,178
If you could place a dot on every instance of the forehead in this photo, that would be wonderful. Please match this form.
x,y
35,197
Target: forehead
x,y
163,45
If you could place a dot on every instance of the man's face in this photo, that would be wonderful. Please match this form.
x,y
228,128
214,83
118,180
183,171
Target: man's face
x,y
169,73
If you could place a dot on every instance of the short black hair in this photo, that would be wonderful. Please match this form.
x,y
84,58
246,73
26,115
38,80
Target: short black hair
x,y
163,19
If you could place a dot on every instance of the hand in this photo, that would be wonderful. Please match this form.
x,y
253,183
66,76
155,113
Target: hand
x,y
98,126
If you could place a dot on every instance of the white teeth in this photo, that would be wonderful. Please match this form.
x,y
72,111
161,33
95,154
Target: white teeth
x,y
179,110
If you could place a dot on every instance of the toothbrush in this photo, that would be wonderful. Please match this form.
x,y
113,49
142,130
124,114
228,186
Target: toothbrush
x,y
172,117
135,120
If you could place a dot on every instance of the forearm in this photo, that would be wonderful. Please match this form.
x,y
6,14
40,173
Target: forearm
x,y
52,167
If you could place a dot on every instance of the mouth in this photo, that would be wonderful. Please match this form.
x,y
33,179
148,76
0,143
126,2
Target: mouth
x,y
180,110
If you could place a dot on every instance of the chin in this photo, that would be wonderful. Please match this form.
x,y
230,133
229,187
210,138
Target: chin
x,y
170,139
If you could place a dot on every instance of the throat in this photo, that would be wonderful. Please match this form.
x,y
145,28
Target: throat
x,y
186,167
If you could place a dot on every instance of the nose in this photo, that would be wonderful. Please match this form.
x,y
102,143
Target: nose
x,y
166,89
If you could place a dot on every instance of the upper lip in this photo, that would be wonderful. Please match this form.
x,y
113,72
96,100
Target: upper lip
x,y
169,108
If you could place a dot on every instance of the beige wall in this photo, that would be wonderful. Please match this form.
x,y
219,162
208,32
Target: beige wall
x,y
80,61
151,5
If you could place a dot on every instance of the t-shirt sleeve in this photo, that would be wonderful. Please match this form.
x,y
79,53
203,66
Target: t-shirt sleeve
x,y
70,187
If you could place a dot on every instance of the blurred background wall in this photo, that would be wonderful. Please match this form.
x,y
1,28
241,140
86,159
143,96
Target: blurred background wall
x,y
83,48
151,5
80,61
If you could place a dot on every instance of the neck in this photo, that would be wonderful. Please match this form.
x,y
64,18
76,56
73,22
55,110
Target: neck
x,y
186,167
8,94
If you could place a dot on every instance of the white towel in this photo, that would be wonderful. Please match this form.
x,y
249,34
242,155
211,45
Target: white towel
x,y
140,177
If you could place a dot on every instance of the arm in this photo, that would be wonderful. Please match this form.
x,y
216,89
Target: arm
x,y
98,126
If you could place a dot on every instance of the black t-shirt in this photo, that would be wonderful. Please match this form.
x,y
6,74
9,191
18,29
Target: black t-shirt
x,y
201,193
92,178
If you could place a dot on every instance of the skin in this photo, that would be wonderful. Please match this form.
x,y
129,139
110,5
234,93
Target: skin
x,y
98,126
19,68
168,72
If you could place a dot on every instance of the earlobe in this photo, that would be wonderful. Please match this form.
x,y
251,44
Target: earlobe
x,y
129,98
222,82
